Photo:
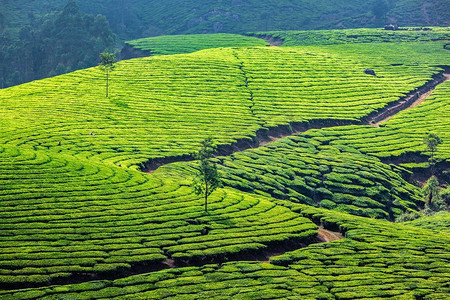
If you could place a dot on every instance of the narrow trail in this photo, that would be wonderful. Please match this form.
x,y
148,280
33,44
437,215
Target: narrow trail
x,y
325,235
266,135
409,101
272,250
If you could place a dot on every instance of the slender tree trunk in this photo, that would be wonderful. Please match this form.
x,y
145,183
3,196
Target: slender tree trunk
x,y
206,197
107,83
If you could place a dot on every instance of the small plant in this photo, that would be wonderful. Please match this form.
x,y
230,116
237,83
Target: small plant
x,y
207,179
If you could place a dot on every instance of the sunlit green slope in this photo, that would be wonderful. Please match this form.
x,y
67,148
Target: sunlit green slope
x,y
377,259
163,106
176,44
63,218
404,133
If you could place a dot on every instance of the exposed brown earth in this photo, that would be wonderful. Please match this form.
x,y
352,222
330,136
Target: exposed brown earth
x,y
325,235
409,101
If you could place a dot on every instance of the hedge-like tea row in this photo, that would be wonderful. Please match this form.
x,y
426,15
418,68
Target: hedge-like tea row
x,y
438,222
312,172
61,217
176,44
402,134
163,106
376,259
360,35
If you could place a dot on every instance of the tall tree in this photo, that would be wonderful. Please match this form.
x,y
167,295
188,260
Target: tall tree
x,y
432,141
207,179
107,64
431,190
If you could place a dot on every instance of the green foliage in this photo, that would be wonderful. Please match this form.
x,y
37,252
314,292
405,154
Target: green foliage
x,y
431,190
432,141
174,101
175,44
53,44
207,179
376,259
293,168
356,36
107,64
62,215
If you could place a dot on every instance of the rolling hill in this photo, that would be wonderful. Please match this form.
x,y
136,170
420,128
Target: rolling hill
x,y
96,193
136,19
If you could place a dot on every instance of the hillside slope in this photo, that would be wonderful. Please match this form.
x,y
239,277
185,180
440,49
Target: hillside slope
x,y
133,19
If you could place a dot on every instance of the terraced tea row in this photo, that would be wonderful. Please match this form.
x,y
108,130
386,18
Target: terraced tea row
x,y
63,218
360,35
376,259
314,173
303,84
176,44
163,106
401,135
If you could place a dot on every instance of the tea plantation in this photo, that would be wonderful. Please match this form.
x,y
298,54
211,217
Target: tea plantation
x,y
80,220
360,35
176,44
403,134
62,217
163,106
376,259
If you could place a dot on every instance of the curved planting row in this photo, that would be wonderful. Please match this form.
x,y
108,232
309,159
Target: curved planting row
x,y
360,35
304,84
63,218
163,106
401,135
439,222
176,44
376,259
312,172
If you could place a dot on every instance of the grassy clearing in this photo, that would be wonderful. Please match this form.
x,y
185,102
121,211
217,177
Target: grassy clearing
x,y
177,44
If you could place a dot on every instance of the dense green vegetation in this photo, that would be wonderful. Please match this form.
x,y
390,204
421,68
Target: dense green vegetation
x,y
175,44
362,35
404,133
173,101
376,259
60,42
32,27
75,207
149,18
62,217
439,222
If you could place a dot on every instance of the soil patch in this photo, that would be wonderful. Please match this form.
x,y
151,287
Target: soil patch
x,y
273,41
129,52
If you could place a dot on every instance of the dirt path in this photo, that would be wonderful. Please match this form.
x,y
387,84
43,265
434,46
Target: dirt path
x,y
328,236
419,98
264,136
